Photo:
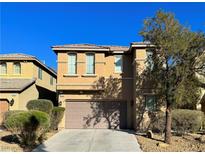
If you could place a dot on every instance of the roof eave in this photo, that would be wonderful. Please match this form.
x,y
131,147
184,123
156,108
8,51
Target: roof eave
x,y
142,46
57,49
18,90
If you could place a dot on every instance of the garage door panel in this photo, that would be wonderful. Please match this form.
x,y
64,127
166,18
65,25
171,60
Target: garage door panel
x,y
4,107
95,115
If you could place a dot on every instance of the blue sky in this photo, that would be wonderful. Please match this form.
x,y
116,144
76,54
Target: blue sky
x,y
32,28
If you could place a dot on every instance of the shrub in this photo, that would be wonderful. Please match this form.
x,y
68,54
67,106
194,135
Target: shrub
x,y
9,113
157,122
29,126
43,105
56,117
185,121
203,124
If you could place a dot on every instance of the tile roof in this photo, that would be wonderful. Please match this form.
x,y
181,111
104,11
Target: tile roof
x,y
117,48
141,43
21,56
16,55
93,46
15,84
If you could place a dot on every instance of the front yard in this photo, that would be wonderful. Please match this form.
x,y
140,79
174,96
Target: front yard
x,y
187,143
9,144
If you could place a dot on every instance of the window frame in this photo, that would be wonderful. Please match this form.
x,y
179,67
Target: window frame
x,y
40,73
86,71
68,64
4,63
51,80
14,68
115,70
154,106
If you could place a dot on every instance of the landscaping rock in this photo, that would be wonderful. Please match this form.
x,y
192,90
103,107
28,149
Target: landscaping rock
x,y
179,144
150,134
202,139
162,145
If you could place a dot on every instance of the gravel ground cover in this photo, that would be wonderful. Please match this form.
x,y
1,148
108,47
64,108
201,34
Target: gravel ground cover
x,y
9,144
187,143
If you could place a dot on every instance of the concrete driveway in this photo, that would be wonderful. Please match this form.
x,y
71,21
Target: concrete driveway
x,y
91,140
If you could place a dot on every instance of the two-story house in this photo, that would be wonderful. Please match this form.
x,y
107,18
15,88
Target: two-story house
x,y
98,85
23,78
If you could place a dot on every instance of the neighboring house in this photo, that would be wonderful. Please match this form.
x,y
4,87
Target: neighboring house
x,y
99,86
23,78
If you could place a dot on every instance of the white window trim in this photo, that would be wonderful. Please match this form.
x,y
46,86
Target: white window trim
x,y
5,68
121,65
14,68
69,53
146,108
40,75
93,53
51,80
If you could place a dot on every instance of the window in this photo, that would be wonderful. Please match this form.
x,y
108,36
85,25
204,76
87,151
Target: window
x,y
118,63
51,80
150,102
90,63
3,68
72,63
40,73
17,68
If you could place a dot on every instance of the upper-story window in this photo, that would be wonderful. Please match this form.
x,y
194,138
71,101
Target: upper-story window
x,y
51,80
40,76
3,68
118,63
72,58
90,63
17,68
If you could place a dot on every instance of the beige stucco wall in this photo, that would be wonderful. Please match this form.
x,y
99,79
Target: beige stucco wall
x,y
26,70
27,95
20,99
139,65
45,81
9,97
104,67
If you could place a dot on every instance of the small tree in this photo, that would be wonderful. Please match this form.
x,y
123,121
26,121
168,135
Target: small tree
x,y
173,61
28,126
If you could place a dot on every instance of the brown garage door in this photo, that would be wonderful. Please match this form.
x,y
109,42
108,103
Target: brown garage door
x,y
104,114
4,106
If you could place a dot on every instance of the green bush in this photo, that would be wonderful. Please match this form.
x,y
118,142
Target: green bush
x,y
157,122
185,121
43,105
56,117
203,124
28,126
9,113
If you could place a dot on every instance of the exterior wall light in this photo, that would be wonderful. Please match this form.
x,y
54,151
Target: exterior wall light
x,y
60,103
11,102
